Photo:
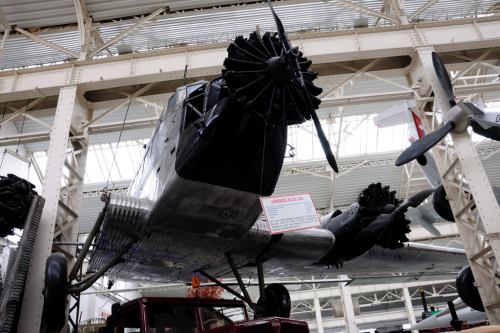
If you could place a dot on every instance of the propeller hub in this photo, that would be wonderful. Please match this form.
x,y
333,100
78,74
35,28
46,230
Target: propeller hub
x,y
389,208
459,117
279,69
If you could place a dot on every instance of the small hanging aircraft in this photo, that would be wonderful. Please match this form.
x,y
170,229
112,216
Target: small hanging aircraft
x,y
457,120
193,207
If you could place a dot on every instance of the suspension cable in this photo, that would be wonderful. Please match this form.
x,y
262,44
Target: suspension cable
x,y
22,128
105,189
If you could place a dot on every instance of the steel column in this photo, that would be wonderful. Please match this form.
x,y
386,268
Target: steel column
x,y
31,313
409,307
347,307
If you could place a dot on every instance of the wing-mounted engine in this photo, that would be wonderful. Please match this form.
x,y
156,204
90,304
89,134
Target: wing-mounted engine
x,y
377,219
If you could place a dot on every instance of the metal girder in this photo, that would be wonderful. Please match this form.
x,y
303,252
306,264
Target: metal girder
x,y
206,60
409,307
361,9
347,307
45,42
354,290
6,25
456,161
423,8
68,113
351,78
21,110
144,22
120,104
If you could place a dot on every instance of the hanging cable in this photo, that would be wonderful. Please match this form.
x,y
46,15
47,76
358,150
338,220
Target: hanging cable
x,y
22,128
5,150
105,189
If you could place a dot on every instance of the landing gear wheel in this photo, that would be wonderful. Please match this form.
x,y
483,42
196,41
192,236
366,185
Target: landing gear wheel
x,y
277,304
55,292
441,205
467,291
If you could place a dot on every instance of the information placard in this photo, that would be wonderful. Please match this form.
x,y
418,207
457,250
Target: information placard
x,y
290,212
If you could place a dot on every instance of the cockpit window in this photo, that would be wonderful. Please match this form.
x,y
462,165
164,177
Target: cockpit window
x,y
181,94
193,87
171,102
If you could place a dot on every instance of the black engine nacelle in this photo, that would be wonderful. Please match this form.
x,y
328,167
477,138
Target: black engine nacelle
x,y
345,227
467,291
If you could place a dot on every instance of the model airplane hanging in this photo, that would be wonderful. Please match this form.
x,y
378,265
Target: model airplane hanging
x,y
405,113
194,204
457,119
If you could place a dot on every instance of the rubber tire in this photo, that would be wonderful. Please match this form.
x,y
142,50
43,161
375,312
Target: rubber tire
x,y
467,291
55,292
441,205
278,302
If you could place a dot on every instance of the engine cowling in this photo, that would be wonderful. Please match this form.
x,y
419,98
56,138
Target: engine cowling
x,y
467,291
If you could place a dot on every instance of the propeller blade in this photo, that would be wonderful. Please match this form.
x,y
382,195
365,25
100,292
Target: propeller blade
x,y
422,145
374,229
416,199
443,78
324,141
291,56
287,46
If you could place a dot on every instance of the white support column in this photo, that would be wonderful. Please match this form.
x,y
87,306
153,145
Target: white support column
x,y
456,161
347,307
319,318
31,313
409,308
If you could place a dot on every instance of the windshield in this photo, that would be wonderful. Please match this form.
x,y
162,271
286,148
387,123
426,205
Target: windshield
x,y
171,318
220,316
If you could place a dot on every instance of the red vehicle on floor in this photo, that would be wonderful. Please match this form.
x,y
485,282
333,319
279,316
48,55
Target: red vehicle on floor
x,y
190,315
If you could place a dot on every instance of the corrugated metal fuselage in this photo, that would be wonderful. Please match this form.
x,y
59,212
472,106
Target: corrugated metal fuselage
x,y
180,225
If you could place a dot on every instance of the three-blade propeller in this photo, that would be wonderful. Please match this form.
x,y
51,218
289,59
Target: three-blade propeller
x,y
421,146
377,227
291,54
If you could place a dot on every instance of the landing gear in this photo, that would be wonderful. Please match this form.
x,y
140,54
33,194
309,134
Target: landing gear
x,y
55,292
274,300
58,284
277,302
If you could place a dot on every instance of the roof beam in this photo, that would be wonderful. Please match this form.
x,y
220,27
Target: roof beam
x,y
206,60
99,41
45,42
363,10
6,26
473,64
120,104
352,77
421,9
136,27
21,110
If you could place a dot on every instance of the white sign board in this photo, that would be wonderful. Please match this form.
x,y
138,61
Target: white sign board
x,y
290,212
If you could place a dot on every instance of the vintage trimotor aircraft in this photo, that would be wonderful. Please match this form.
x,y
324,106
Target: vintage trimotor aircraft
x,y
194,204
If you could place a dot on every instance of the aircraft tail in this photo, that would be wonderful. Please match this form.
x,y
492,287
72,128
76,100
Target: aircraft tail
x,y
402,113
